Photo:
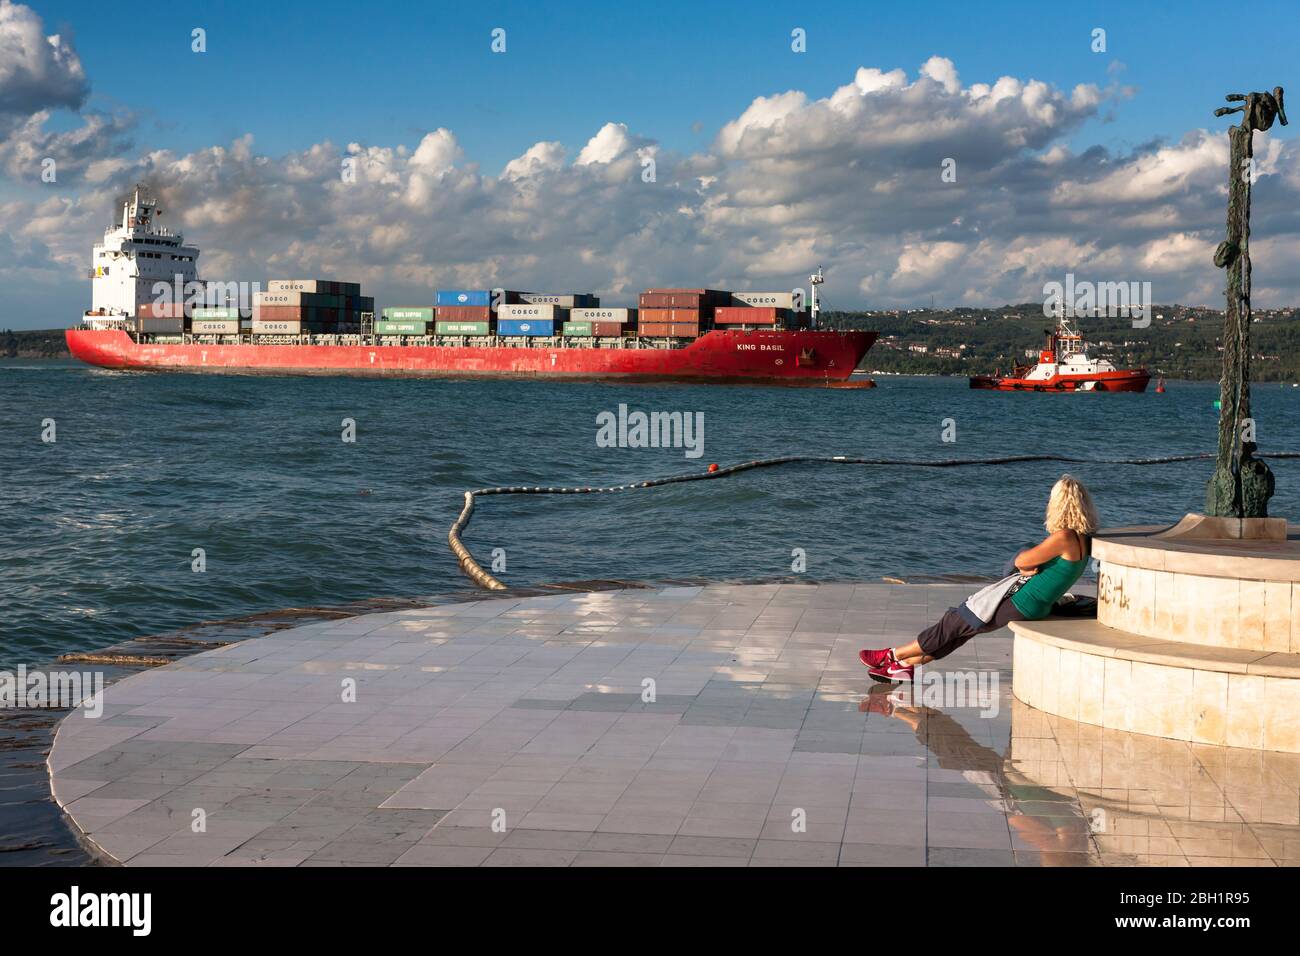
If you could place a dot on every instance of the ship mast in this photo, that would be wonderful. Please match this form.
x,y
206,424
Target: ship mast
x,y
814,307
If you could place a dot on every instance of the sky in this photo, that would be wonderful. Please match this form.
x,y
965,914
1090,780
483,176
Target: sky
x,y
527,168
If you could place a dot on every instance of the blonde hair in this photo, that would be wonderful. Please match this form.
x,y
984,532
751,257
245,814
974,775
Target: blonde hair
x,y
1070,506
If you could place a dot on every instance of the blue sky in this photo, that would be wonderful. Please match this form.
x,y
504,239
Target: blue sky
x,y
769,162
294,74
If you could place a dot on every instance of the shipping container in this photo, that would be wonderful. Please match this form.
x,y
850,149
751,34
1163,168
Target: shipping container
x,y
324,286
161,310
705,297
774,300
685,330
216,312
318,299
670,300
282,327
214,326
159,326
607,330
567,300
748,315
684,300
304,313
540,313
578,329
463,297
421,313
464,313
477,297
463,328
670,315
401,327
603,315
525,327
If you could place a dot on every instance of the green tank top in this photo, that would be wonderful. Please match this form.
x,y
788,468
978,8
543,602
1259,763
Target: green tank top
x,y
1035,599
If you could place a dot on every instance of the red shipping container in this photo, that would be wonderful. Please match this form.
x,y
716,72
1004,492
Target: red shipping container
x,y
463,313
716,296
162,310
684,330
670,300
744,315
670,315
607,329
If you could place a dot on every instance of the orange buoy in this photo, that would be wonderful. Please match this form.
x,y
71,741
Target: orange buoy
x,y
712,468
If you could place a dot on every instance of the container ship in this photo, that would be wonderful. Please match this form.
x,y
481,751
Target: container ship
x,y
1064,366
327,327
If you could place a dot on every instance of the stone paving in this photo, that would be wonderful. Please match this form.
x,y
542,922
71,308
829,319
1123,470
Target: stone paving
x,y
516,732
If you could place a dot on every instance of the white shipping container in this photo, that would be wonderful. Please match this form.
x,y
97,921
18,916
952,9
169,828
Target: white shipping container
x,y
602,315
319,300
542,313
564,300
312,285
271,327
771,300
214,326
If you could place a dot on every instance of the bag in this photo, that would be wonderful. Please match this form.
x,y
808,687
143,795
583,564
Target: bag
x,y
983,604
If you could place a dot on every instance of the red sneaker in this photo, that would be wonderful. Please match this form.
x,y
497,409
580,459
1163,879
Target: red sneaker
x,y
878,703
892,671
876,658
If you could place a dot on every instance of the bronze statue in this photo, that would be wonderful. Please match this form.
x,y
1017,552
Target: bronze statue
x,y
1260,108
1241,484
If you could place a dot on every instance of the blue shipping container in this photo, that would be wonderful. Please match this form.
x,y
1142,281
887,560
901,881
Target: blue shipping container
x,y
475,297
525,327
464,297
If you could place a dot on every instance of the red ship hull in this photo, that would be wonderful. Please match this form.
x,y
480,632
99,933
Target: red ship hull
x,y
809,358
1123,380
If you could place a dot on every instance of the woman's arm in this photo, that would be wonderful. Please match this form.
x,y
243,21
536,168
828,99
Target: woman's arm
x,y
1053,546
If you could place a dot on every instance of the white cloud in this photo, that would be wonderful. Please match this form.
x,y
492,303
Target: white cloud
x,y
40,74
539,158
37,72
851,181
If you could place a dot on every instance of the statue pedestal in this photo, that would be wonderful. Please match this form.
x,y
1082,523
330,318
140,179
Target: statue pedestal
x,y
1197,637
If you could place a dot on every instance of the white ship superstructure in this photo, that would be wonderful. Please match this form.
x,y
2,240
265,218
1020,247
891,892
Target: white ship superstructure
x,y
1069,356
135,255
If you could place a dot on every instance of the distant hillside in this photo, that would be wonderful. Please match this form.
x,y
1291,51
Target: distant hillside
x,y
1181,341
42,343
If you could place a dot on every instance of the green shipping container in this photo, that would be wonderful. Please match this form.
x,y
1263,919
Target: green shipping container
x,y
580,329
391,327
463,328
419,313
216,312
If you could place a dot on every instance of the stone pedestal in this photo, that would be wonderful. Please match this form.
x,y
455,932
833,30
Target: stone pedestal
x,y
1197,637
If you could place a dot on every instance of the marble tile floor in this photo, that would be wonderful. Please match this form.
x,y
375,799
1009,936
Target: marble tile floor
x,y
727,725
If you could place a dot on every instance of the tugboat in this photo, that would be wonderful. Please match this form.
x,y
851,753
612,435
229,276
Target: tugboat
x,y
1064,366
